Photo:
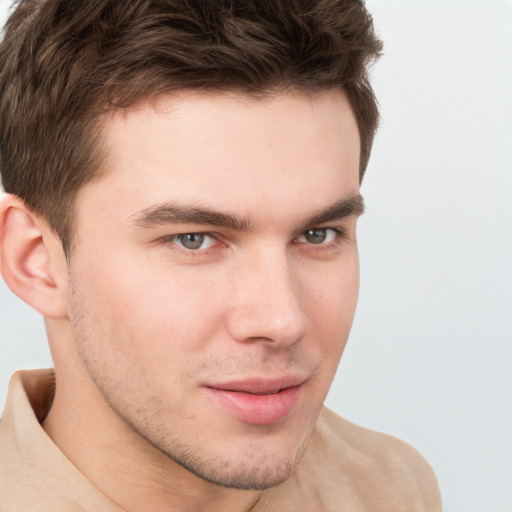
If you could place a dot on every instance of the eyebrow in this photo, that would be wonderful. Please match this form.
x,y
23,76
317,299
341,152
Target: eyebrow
x,y
178,213
352,205
175,213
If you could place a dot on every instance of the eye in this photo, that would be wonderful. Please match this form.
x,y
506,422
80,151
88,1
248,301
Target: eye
x,y
194,241
319,236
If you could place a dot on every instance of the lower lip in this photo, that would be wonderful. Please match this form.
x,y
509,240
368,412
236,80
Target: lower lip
x,y
257,409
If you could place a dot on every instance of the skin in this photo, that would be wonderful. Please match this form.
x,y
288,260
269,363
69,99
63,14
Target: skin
x,y
141,327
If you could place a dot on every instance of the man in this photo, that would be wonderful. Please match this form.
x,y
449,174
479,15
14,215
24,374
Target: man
x,y
182,186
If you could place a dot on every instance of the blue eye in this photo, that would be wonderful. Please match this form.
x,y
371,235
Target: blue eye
x,y
318,236
194,241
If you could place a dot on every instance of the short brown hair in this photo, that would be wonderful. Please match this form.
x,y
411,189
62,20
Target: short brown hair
x,y
64,63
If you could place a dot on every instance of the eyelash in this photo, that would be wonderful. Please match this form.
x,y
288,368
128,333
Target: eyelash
x,y
339,236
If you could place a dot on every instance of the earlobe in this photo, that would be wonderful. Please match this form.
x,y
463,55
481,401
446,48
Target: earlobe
x,y
27,258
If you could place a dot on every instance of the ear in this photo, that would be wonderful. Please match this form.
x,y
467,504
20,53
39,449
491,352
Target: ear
x,y
32,261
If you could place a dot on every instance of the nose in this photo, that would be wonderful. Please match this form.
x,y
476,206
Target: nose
x,y
267,303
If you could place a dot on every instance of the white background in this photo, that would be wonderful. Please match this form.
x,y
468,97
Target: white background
x,y
430,355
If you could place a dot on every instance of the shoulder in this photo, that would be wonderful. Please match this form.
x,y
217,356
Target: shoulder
x,y
379,463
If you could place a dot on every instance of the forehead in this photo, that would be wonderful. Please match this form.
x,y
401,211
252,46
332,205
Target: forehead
x,y
229,150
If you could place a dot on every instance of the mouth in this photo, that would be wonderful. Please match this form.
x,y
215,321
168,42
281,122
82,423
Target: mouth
x,y
257,401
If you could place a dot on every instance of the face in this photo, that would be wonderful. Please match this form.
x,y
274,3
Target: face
x,y
215,275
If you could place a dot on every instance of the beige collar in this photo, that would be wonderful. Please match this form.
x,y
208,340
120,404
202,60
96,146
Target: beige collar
x,y
34,473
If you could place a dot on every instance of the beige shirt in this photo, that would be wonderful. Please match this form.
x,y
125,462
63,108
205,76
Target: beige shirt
x,y
345,468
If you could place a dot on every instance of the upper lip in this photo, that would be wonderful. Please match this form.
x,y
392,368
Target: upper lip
x,y
259,385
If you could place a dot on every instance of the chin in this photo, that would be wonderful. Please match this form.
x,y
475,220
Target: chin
x,y
245,475
249,466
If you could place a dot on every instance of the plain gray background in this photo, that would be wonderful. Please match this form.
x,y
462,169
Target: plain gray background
x,y
429,358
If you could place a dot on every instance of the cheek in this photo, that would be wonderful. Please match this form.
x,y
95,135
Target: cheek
x,y
137,335
136,307
333,307
333,288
